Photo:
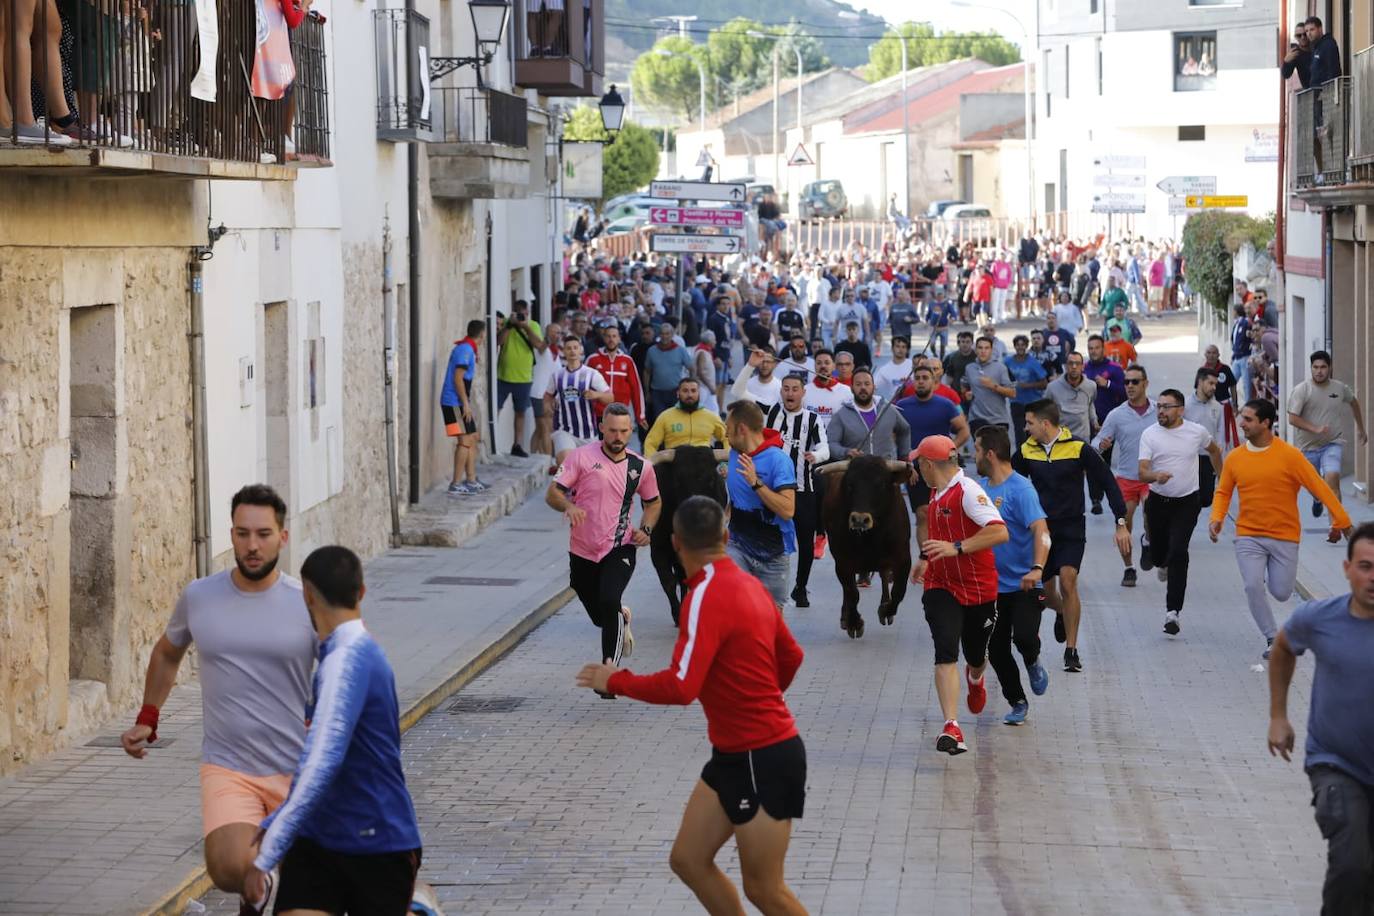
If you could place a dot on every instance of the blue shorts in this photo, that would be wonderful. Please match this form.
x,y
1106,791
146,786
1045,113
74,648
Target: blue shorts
x,y
1327,459
518,391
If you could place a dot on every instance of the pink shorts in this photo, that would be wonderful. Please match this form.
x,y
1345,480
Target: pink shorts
x,y
1133,491
230,797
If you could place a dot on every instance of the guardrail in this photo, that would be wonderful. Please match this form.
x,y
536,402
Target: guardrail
x,y
466,114
133,75
1321,125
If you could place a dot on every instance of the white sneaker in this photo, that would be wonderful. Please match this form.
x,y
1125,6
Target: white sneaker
x,y
34,134
1163,573
289,146
627,639
1171,623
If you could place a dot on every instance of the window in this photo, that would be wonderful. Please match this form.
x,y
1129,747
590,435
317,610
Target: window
x,y
1195,61
1092,6
1045,71
1099,66
1191,132
1066,71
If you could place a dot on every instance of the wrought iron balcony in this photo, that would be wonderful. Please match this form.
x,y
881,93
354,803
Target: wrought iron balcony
x,y
560,51
480,144
1321,124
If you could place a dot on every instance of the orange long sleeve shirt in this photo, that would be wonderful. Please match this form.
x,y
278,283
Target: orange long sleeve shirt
x,y
1269,480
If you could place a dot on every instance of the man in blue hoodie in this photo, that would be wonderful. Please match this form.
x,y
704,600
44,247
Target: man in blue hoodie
x,y
346,839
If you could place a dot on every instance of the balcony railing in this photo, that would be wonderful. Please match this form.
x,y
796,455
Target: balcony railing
x,y
1321,124
464,114
1362,116
134,75
559,46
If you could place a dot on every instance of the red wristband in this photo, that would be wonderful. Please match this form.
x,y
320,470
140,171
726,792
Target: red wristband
x,y
147,715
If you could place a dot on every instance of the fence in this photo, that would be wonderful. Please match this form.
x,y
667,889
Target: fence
x,y
128,71
1321,124
1362,116
466,114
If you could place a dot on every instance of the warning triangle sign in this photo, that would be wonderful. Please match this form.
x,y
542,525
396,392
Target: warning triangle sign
x,y
800,156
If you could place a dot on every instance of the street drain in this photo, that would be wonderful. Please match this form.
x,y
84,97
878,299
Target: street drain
x,y
474,704
470,580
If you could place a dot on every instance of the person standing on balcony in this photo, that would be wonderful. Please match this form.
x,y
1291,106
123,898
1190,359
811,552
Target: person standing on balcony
x,y
1325,63
1299,58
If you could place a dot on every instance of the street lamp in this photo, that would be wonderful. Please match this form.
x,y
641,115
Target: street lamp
x,y
489,19
754,33
1025,62
701,74
612,112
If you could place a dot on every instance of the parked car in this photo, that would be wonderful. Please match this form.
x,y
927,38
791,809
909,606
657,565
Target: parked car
x,y
637,205
754,190
822,199
936,208
966,211
624,225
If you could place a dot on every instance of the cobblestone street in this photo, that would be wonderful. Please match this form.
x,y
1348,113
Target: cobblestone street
x,y
1141,785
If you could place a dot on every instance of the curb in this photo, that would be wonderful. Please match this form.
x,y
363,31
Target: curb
x,y
198,883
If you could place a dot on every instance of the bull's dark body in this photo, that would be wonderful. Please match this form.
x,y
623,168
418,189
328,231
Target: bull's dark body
x,y
867,486
692,472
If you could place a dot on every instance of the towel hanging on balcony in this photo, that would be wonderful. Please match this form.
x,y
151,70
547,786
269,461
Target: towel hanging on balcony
x,y
273,68
207,30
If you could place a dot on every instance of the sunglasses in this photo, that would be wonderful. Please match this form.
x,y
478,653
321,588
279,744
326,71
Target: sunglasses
x,y
1135,381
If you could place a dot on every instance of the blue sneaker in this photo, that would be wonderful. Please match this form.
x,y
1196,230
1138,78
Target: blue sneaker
x,y
1039,679
1018,714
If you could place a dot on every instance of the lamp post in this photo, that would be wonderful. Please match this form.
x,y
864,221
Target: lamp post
x,y
1025,63
489,19
754,33
612,112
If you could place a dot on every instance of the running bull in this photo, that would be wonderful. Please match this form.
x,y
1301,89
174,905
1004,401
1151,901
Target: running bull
x,y
683,472
866,519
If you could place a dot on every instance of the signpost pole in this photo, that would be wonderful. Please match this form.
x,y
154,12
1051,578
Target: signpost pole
x,y
677,293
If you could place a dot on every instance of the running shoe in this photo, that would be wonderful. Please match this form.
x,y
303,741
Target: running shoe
x,y
1071,660
977,693
627,639
1171,622
478,486
519,452
1097,509
459,489
1147,562
1268,647
1316,508
248,909
820,547
1039,679
951,740
1018,714
1162,573
1059,634
1128,577
800,598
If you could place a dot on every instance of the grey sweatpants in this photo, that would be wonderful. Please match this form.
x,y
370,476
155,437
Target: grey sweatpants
x,y
1266,564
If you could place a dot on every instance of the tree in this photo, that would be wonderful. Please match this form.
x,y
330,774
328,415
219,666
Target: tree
x,y
812,51
671,79
628,163
924,47
1210,242
738,57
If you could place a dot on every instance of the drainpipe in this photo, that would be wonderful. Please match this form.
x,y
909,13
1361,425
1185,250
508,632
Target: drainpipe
x,y
491,346
413,282
200,447
389,378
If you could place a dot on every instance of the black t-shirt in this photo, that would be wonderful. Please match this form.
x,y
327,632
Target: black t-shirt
x,y
1226,383
932,272
859,350
1064,273
790,321
955,364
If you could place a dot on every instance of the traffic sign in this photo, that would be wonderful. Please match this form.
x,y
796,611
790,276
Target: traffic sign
x,y
1188,184
1119,179
697,216
1122,163
698,190
1209,202
695,244
1178,205
1124,202
800,156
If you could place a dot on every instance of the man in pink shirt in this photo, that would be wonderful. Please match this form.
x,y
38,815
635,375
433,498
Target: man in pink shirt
x,y
1001,286
595,490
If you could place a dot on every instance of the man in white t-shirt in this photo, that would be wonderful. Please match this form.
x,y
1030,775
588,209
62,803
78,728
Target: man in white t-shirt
x,y
890,378
1168,463
757,382
827,315
826,394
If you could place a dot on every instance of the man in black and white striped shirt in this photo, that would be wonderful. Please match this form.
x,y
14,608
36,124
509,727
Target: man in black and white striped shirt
x,y
568,399
803,438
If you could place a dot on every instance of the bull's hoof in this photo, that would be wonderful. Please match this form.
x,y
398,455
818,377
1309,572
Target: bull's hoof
x,y
855,630
886,617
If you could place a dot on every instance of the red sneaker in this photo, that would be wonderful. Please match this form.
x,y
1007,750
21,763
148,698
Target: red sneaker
x,y
820,546
977,694
951,740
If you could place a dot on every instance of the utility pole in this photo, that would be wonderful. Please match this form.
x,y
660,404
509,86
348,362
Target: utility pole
x,y
680,20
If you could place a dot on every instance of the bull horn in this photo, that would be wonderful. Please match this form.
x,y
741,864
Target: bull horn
x,y
832,467
662,457
722,454
894,465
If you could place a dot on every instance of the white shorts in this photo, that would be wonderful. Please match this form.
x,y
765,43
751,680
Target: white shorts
x,y
565,442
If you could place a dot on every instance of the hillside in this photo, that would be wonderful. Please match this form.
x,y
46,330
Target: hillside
x,y
629,31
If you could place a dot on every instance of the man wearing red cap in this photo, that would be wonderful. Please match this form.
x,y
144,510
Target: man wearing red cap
x,y
960,576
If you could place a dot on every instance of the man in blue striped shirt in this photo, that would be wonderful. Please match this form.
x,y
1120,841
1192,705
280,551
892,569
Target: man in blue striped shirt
x,y
346,838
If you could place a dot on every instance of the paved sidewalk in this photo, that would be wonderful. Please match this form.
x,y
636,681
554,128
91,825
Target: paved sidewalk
x,y
1319,562
90,830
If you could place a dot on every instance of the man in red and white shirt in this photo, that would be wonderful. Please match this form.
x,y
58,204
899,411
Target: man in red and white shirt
x,y
621,373
960,575
734,653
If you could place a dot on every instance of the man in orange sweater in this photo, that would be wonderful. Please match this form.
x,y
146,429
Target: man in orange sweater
x,y
1269,472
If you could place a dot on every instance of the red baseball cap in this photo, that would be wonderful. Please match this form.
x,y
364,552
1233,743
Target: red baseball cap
x,y
935,448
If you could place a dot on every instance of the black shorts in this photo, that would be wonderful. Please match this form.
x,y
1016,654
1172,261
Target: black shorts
x,y
772,776
454,424
1067,541
918,493
952,623
314,878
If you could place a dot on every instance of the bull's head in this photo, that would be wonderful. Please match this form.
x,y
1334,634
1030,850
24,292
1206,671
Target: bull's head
x,y
868,488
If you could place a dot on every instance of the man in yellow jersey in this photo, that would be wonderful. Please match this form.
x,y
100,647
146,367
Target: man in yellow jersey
x,y
686,423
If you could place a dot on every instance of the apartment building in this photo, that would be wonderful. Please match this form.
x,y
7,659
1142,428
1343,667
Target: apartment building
x,y
190,303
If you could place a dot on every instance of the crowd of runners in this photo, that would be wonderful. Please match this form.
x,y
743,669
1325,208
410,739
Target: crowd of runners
x,y
1008,451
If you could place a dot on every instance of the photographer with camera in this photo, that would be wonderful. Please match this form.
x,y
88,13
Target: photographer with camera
x,y
520,340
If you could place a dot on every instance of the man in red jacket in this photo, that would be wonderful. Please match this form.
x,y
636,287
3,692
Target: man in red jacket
x,y
736,655
621,374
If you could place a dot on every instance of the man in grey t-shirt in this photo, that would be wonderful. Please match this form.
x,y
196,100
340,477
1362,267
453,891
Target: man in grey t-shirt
x,y
992,389
1316,411
257,648
1074,393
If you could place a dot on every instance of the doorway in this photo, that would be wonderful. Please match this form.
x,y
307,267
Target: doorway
x,y
276,398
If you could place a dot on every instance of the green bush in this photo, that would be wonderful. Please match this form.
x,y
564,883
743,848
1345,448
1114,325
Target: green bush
x,y
628,163
1210,241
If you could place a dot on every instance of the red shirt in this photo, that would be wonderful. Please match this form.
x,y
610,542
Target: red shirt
x,y
957,513
735,654
943,390
622,375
